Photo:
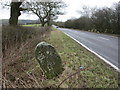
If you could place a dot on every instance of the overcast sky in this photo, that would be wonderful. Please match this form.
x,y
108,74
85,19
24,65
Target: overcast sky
x,y
71,10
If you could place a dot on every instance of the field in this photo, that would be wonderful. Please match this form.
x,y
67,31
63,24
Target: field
x,y
32,25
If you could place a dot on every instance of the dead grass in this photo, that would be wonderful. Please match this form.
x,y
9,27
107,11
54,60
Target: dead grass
x,y
18,50
25,71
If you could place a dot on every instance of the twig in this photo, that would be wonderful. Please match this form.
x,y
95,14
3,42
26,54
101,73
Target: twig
x,y
72,75
8,81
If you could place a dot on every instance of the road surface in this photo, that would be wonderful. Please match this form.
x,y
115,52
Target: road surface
x,y
104,46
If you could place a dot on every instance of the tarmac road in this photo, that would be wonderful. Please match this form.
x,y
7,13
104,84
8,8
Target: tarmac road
x,y
104,46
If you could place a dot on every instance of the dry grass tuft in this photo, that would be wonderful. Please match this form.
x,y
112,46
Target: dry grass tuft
x,y
18,45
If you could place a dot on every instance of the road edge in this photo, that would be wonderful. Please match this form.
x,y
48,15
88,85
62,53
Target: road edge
x,y
116,68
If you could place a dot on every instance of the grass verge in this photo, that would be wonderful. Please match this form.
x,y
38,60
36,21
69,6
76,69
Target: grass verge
x,y
25,72
73,56
18,45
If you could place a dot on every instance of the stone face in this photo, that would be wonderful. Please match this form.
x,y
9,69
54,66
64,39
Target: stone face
x,y
49,60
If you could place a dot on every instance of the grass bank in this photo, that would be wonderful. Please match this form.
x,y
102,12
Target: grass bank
x,y
18,45
99,75
25,72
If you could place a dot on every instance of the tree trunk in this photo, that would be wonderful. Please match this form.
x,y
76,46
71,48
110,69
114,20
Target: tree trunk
x,y
48,23
14,13
43,24
48,20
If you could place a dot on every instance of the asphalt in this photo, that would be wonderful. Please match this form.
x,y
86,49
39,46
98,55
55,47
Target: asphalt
x,y
105,46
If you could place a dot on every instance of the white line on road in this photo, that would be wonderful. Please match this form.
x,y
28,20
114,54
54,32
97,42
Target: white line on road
x,y
103,38
115,67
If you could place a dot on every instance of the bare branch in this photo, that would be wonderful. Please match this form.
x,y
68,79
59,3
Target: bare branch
x,y
46,11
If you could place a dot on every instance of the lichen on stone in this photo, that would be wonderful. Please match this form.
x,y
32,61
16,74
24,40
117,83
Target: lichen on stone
x,y
48,59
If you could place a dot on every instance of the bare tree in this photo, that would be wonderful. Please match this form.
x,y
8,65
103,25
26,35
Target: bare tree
x,y
102,20
15,11
46,11
86,11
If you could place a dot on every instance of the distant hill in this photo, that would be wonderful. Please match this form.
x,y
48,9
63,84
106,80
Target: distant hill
x,y
6,21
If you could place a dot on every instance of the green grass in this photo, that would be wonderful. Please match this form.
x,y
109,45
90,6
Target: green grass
x,y
73,55
32,25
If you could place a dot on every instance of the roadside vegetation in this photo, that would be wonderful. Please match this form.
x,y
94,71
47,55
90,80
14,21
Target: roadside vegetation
x,y
98,74
99,20
82,69
21,69
18,48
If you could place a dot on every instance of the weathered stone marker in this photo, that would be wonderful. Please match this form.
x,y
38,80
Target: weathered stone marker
x,y
49,60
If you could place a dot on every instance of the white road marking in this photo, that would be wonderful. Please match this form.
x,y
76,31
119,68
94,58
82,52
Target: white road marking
x,y
103,38
115,67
